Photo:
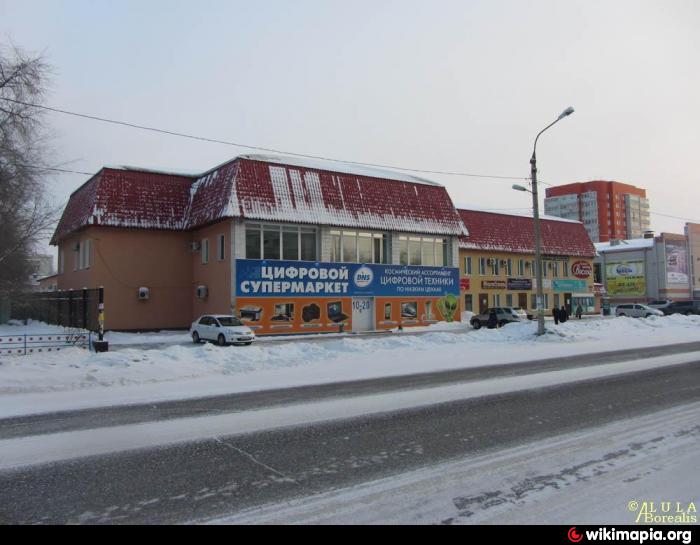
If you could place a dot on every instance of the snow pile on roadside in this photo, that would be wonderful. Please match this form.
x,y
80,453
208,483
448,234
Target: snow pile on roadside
x,y
277,364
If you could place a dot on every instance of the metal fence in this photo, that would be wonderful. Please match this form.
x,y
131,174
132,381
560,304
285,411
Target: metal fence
x,y
32,343
72,308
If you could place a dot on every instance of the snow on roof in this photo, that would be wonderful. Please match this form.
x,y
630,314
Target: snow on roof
x,y
524,213
251,187
622,245
514,233
339,166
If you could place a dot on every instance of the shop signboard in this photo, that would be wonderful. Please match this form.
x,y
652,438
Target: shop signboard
x,y
464,283
626,279
520,284
569,285
582,269
493,284
272,278
676,262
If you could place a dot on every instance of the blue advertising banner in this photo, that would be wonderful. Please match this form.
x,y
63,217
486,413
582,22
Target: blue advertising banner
x,y
270,278
569,285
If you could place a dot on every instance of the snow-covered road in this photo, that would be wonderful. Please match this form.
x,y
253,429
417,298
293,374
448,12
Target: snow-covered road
x,y
599,476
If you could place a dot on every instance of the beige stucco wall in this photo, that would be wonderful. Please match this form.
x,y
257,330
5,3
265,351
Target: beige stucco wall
x,y
122,261
216,274
475,279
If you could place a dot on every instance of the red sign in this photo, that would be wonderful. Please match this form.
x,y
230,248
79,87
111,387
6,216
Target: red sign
x,y
464,284
581,269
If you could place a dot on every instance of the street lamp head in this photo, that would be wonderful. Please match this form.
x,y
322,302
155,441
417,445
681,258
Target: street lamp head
x,y
566,112
518,187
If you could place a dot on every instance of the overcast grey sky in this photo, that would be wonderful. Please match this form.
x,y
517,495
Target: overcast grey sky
x,y
440,85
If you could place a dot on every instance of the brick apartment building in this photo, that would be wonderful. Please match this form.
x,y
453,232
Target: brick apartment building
x,y
608,210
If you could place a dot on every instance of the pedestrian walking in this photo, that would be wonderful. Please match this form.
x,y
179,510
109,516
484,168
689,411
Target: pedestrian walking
x,y
555,314
563,315
579,311
493,320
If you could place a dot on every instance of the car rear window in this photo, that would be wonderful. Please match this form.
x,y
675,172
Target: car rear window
x,y
229,321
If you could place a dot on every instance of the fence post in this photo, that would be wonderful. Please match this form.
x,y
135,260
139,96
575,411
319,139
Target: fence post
x,y
101,311
85,308
25,344
70,309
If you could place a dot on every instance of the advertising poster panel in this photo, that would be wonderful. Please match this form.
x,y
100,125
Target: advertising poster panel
x,y
626,279
308,297
676,262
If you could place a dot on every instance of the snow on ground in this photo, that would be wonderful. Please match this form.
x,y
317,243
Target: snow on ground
x,y
135,375
52,447
600,476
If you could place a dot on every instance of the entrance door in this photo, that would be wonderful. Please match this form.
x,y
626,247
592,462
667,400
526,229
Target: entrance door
x,y
522,301
362,314
483,302
567,302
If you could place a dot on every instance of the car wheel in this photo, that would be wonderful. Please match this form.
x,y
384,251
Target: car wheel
x,y
476,324
221,340
248,344
195,337
688,313
647,315
502,323
622,314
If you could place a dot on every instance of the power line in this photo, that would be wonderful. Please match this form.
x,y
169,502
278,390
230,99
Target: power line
x,y
258,148
674,217
37,167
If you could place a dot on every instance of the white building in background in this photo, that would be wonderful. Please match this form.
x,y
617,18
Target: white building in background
x,y
645,269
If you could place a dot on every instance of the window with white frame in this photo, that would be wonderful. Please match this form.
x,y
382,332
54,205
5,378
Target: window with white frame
x,y
275,241
467,265
359,247
521,267
509,267
419,250
205,251
482,266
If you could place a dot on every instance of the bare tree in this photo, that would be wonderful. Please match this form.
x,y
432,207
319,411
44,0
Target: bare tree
x,y
25,215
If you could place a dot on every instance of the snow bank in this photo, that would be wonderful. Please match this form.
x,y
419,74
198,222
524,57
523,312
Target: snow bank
x,y
280,364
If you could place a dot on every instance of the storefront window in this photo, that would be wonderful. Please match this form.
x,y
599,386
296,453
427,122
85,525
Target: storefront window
x,y
414,257
290,242
253,242
349,247
364,248
426,251
308,244
271,242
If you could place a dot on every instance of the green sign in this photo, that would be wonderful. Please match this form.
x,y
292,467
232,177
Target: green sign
x,y
569,285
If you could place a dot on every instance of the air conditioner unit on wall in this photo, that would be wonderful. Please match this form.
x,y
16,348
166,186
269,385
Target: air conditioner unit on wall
x,y
144,293
491,261
195,246
202,292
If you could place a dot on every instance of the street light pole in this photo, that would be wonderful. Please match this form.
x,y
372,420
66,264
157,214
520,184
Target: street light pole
x,y
538,229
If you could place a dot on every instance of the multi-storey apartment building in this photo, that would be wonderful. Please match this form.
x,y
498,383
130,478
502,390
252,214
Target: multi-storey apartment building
x,y
608,210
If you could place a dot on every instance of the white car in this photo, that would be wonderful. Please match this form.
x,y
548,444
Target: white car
x,y
637,311
222,330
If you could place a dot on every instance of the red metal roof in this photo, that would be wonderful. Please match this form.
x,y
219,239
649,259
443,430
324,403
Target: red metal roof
x,y
265,190
516,234
127,198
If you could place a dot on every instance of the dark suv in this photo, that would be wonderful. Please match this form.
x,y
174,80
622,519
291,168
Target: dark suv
x,y
682,307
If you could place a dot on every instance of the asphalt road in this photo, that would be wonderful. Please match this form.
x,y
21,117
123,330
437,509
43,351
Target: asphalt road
x,y
132,414
200,480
